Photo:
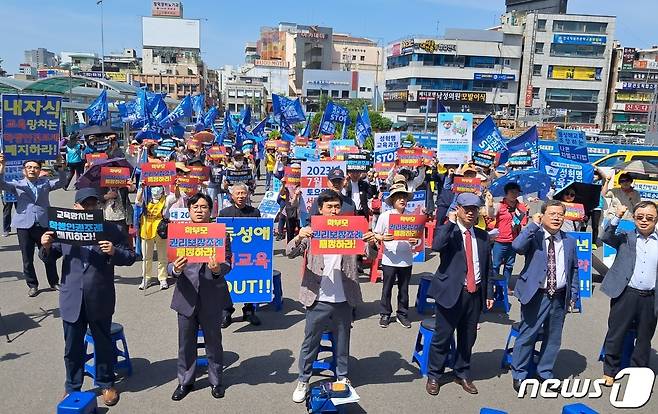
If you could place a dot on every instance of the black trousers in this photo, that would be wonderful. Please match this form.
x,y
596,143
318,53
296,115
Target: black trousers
x,y
629,307
6,215
596,222
74,351
257,162
74,168
462,317
390,275
28,239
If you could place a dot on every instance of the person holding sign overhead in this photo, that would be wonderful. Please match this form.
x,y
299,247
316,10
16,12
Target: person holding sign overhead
x,y
200,296
397,259
329,290
87,297
31,218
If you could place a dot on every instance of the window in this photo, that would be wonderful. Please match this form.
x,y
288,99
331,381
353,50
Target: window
x,y
647,158
612,161
541,25
368,89
507,63
539,48
346,94
363,58
312,92
362,88
587,51
536,70
353,57
572,95
334,94
579,27
535,93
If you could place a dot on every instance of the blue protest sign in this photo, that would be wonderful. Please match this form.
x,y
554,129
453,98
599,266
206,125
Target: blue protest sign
x,y
487,137
572,145
339,143
426,140
308,154
563,171
268,206
584,256
252,244
13,172
30,127
609,252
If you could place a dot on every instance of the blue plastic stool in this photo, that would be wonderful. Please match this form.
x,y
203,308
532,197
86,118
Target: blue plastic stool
x,y
277,290
328,363
78,403
501,298
421,353
423,287
117,335
626,350
487,410
578,408
509,348
318,402
201,361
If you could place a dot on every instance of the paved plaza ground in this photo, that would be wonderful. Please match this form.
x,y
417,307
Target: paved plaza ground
x,y
261,362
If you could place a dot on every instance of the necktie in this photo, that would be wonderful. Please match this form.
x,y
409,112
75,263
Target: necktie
x,y
470,271
551,273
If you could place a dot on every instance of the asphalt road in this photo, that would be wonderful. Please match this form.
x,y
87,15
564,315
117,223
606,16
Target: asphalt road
x,y
261,362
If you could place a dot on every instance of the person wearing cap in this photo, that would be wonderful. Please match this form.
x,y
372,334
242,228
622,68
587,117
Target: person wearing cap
x,y
510,215
337,182
547,286
87,297
413,180
397,258
624,195
461,288
329,291
31,218
239,165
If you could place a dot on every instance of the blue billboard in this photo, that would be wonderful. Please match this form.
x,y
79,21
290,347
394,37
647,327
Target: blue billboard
x,y
569,39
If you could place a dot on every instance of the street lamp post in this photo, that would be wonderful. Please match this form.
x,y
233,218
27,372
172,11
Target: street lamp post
x,y
102,39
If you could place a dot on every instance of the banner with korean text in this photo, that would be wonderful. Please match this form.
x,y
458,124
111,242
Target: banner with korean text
x,y
407,226
76,227
252,245
158,173
196,241
584,255
455,137
338,234
115,177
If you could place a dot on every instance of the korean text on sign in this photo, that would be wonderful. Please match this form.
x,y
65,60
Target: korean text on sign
x,y
250,278
160,173
338,234
197,241
30,127
76,227
115,177
406,226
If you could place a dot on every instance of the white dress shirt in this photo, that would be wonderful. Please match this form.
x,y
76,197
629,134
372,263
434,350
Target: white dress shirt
x,y
331,285
474,245
646,262
356,195
560,270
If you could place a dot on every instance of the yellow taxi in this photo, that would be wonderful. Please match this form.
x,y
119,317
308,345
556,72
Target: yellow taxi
x,y
648,189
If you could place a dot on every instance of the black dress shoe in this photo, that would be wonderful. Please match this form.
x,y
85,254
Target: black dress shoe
x,y
432,386
252,318
180,392
55,286
217,391
516,384
227,321
32,292
467,385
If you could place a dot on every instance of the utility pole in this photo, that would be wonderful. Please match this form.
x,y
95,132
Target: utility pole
x,y
102,39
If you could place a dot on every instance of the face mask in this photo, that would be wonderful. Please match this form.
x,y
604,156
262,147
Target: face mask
x,y
238,164
156,193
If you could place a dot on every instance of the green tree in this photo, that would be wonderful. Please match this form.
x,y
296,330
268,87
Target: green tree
x,y
274,134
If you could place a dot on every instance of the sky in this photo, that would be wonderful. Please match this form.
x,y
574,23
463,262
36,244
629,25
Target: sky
x,y
226,25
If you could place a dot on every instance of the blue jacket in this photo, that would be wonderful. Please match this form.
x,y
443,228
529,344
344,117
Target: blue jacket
x,y
88,274
622,269
31,210
448,281
530,244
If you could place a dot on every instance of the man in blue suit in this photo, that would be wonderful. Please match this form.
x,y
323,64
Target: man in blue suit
x,y
460,288
31,217
631,285
546,287
87,297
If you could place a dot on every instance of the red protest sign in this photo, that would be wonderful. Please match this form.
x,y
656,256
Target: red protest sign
x,y
338,234
466,185
323,145
158,173
216,152
326,137
271,144
196,241
94,156
575,211
346,149
293,176
406,226
189,185
301,141
410,157
282,146
199,171
427,156
115,177
383,169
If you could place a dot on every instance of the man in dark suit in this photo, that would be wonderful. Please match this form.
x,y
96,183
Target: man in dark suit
x,y
87,297
547,286
200,296
359,191
31,218
631,283
460,288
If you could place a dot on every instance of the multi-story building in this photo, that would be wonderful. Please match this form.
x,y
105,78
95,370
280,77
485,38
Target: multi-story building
x,y
171,54
40,57
566,67
633,84
467,71
355,53
336,84
250,52
84,61
540,6
245,91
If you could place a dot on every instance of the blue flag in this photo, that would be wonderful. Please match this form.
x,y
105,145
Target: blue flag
x,y
333,113
141,106
363,127
526,141
198,104
259,129
97,112
156,106
184,109
563,172
209,117
487,137
307,128
245,115
127,111
289,110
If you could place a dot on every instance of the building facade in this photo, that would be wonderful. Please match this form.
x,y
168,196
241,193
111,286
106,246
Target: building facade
x,y
246,91
466,71
565,71
40,57
336,84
